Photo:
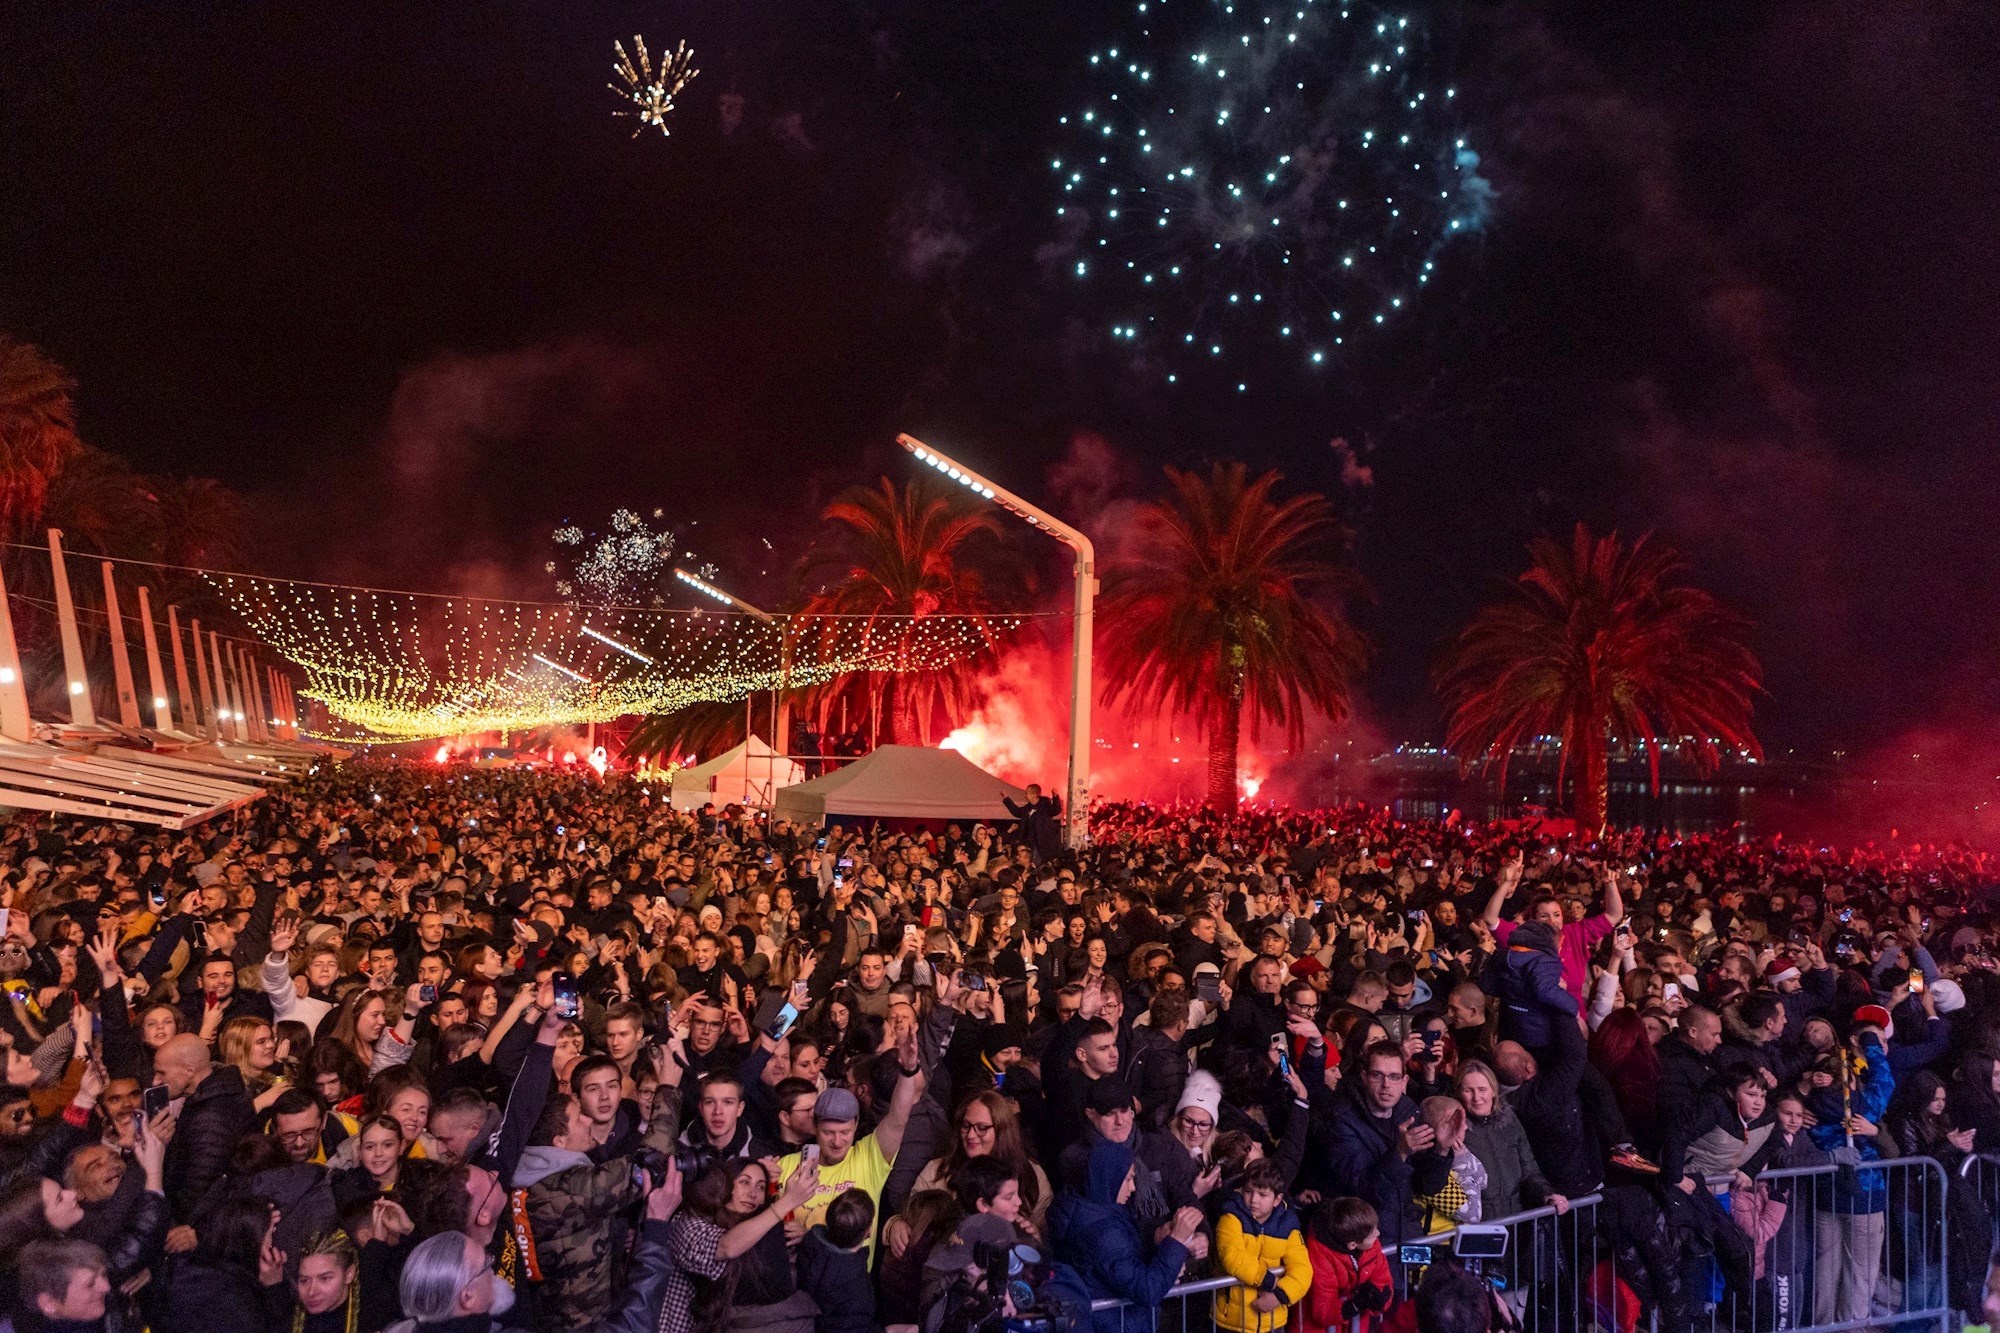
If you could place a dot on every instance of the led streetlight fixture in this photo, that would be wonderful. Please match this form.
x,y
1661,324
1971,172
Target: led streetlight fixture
x,y
1075,806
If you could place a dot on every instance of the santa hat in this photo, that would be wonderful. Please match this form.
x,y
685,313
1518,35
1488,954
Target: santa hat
x,y
1871,1013
1203,1093
1781,968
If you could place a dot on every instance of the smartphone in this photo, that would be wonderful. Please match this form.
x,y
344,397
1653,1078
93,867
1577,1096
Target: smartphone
x,y
1284,1060
809,1157
1672,990
154,1100
1916,981
1847,914
844,863
1427,863
568,1004
788,1014
1624,930
972,980
427,994
1208,988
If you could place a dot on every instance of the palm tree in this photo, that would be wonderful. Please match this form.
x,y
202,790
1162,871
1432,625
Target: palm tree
x,y
899,556
1215,615
37,429
1599,642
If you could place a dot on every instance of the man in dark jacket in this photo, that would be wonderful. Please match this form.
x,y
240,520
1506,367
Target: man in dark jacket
x,y
216,1111
1687,1062
1166,1176
1041,822
1544,1097
218,1000
1380,1149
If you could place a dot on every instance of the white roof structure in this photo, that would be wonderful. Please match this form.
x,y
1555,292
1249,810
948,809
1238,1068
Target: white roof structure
x,y
746,775
135,786
900,782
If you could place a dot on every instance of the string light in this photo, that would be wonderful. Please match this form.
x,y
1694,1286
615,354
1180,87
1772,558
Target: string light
x,y
1243,170
394,666
652,93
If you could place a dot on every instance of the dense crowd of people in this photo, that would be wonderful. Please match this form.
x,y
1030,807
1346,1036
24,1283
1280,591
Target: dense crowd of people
x,y
410,1047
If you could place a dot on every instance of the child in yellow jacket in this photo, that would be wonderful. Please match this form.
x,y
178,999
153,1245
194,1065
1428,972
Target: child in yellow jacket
x,y
1259,1243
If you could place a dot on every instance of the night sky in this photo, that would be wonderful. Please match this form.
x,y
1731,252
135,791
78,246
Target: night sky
x,y
398,272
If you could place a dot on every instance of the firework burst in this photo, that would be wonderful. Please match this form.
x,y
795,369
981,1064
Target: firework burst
x,y
651,91
1255,183
622,567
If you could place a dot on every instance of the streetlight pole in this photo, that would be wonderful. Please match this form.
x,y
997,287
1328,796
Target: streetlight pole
x,y
781,707
1076,824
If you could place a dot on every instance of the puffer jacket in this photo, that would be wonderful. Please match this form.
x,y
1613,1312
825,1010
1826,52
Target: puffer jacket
x,y
1267,1256
1527,978
214,1117
1337,1286
573,1208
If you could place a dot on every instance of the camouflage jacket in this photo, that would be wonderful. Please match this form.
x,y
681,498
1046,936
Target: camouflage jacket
x,y
580,1213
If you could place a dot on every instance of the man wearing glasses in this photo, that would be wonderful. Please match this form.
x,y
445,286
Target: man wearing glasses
x,y
1380,1150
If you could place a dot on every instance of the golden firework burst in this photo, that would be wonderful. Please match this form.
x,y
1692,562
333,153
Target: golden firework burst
x,y
651,91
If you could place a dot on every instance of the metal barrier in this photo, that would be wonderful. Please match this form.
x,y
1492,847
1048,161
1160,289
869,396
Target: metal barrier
x,y
1817,1249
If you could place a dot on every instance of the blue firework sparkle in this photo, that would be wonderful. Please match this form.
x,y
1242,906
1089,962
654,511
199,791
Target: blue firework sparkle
x,y
1255,184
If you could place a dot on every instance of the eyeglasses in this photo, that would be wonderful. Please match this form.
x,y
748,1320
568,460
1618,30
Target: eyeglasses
x,y
1200,1124
1386,1076
976,1128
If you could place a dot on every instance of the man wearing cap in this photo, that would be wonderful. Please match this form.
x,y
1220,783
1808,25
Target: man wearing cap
x,y
845,1162
1166,1173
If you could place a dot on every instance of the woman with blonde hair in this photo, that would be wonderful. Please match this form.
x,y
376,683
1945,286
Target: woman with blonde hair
x,y
250,1044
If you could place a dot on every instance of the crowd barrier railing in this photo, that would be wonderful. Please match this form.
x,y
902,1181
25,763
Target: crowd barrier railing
x,y
1817,1249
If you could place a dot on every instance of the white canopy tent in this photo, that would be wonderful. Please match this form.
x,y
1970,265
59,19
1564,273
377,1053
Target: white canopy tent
x,y
746,775
901,782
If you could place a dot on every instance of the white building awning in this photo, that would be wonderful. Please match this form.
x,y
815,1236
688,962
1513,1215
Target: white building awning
x,y
108,782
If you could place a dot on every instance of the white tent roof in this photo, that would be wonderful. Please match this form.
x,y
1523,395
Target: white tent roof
x,y
745,775
900,782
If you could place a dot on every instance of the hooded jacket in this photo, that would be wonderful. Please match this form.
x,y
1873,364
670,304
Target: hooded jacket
x,y
838,1282
1106,1256
1527,978
573,1204
1267,1256
1337,1279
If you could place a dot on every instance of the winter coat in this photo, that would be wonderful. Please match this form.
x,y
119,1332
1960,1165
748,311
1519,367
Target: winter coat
x,y
572,1204
1527,978
1552,1114
1105,1256
1158,1073
1267,1256
1514,1181
201,1297
1684,1078
1761,1218
213,1119
1714,1141
1338,1277
1363,1162
838,1281
1856,1191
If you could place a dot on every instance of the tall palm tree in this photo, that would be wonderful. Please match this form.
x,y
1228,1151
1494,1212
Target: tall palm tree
x,y
37,429
1600,642
1216,614
900,555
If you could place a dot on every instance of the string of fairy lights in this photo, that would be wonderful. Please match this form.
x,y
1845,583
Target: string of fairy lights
x,y
390,666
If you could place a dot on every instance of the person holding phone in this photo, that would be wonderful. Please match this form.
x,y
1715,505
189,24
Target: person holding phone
x,y
838,1159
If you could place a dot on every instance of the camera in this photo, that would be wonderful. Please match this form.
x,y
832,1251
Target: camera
x,y
649,1167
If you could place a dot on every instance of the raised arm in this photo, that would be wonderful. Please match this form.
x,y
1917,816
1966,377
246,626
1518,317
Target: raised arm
x,y
889,1134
